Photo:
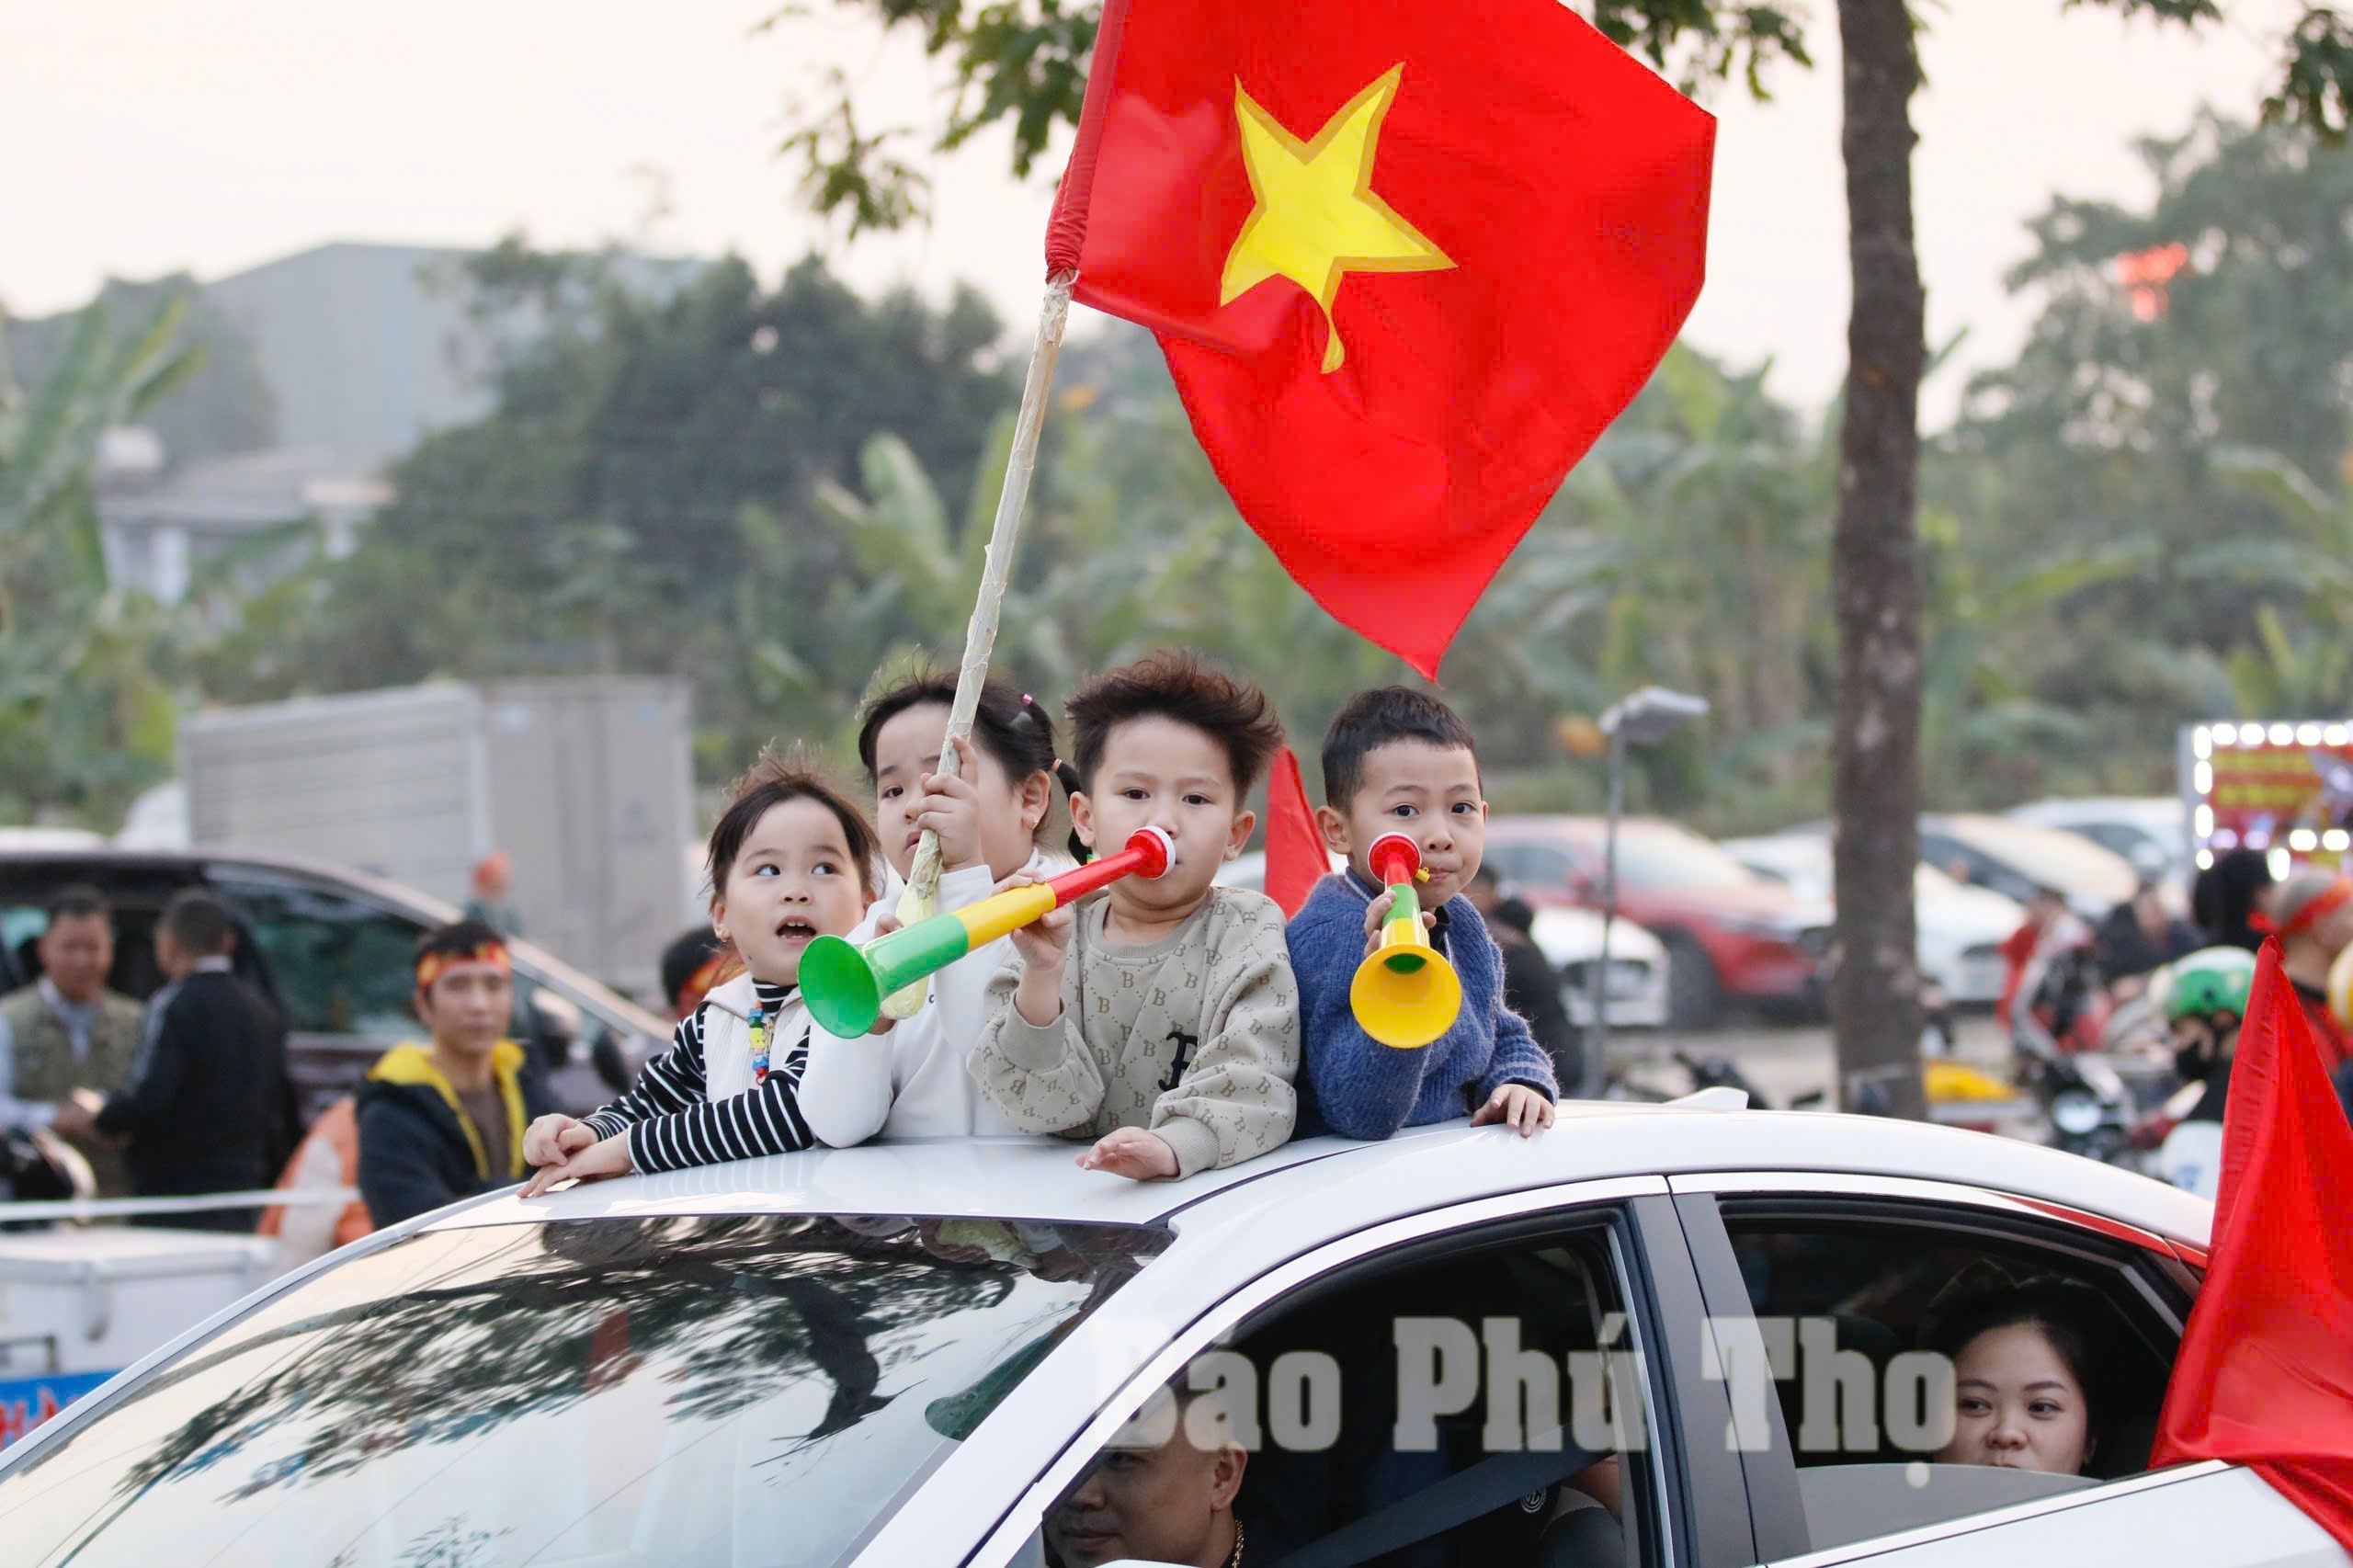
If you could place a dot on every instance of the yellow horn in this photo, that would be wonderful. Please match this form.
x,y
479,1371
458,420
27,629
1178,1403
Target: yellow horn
x,y
1405,994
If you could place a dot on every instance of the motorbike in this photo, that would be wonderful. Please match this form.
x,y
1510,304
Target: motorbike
x,y
2099,1073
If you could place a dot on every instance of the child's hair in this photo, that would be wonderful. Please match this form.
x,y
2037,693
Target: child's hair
x,y
1014,729
1176,684
772,781
1374,719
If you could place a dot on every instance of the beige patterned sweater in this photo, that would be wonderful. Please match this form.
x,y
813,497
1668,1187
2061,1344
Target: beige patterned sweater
x,y
1194,1037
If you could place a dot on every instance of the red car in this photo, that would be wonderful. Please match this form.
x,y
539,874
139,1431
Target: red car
x,y
1728,932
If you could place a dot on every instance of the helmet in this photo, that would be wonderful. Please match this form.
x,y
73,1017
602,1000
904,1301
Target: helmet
x,y
2210,980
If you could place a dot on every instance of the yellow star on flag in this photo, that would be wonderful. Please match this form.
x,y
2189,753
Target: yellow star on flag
x,y
1317,218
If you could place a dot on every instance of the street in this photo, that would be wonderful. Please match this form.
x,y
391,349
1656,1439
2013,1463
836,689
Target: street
x,y
1782,1061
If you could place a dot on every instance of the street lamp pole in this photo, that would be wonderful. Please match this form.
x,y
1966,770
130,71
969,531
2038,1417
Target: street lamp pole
x,y
1646,718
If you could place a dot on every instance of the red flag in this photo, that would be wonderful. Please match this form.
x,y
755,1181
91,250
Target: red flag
x,y
1295,856
2265,1376
1406,260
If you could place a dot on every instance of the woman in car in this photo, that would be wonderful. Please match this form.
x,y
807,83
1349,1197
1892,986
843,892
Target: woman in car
x,y
2029,1389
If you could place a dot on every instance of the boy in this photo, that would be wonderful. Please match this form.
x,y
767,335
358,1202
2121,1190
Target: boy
x,y
1399,761
1159,1019
445,1120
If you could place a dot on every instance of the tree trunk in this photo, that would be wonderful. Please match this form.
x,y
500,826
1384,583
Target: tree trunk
x,y
1875,577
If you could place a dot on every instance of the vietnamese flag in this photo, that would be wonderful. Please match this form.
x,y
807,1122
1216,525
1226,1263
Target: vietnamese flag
x,y
2264,1374
1406,260
1296,859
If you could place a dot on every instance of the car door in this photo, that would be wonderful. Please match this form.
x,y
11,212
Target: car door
x,y
1432,1391
1830,1297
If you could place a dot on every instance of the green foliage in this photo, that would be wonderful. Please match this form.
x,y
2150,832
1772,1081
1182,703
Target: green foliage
x,y
221,403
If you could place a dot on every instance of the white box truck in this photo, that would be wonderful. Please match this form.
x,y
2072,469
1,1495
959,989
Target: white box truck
x,y
585,784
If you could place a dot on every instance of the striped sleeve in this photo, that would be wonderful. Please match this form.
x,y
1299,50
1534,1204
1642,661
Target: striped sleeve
x,y
671,1083
766,1120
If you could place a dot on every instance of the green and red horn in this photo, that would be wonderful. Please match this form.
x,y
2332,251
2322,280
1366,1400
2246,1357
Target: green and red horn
x,y
844,985
1405,994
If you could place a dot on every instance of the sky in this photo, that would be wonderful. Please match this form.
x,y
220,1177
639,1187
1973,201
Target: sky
x,y
143,137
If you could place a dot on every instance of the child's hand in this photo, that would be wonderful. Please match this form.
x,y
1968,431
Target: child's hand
x,y
1044,946
554,1138
1377,911
1133,1153
599,1160
951,807
1523,1110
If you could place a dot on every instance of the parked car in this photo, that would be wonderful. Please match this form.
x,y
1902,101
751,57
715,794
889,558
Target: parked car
x,y
2013,857
1728,932
2153,832
1570,940
1961,928
333,947
770,1362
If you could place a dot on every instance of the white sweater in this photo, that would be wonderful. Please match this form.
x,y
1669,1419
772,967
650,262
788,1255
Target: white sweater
x,y
914,1082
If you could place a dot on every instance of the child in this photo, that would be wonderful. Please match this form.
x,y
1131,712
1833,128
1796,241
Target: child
x,y
791,858
1399,761
912,1081
1159,1019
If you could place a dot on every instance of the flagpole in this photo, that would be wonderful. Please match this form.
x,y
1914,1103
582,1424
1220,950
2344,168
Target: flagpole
x,y
979,635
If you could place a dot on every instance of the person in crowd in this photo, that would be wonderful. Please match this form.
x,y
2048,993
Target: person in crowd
x,y
691,967
208,1107
2139,935
1158,1020
2205,1004
912,1077
67,1040
445,1119
2051,927
493,902
1533,988
792,859
2029,1389
1152,1496
2312,913
2228,897
1396,760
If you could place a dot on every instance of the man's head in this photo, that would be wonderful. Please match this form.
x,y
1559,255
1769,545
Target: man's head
x,y
196,925
2205,1003
2149,910
1397,760
2314,914
2045,906
465,988
1169,742
1161,1490
77,951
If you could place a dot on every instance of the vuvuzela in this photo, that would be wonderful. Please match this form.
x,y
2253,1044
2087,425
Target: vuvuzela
x,y
1405,994
844,985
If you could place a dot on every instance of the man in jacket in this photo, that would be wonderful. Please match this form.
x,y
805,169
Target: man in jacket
x,y
68,1032
445,1119
207,1105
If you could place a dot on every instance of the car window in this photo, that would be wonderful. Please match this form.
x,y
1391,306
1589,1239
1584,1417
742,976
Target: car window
x,y
1668,858
340,966
2054,1385
680,1392
1485,1405
1533,865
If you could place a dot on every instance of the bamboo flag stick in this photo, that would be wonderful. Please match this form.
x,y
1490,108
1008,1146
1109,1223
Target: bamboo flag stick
x,y
979,636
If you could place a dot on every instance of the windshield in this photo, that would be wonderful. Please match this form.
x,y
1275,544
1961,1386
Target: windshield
x,y
2050,855
751,1391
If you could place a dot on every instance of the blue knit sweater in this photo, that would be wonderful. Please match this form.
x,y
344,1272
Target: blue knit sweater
x,y
1353,1085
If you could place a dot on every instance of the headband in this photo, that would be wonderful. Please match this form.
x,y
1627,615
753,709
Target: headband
x,y
706,976
433,966
2319,908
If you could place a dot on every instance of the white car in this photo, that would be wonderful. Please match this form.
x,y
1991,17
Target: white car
x,y
2151,831
1570,940
914,1354
1961,928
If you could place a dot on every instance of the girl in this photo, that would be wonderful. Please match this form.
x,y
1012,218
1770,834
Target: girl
x,y
913,1082
791,859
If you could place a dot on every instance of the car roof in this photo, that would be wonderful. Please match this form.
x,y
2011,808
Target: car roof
x,y
1020,1178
